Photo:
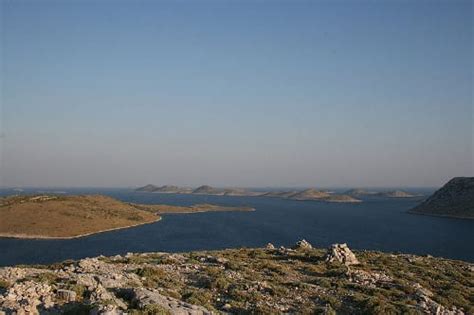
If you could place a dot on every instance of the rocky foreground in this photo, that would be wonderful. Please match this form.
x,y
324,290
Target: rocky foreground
x,y
271,280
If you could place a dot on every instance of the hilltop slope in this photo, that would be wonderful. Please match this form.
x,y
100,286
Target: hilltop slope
x,y
302,280
454,199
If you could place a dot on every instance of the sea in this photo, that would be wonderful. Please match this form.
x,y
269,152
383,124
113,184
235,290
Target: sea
x,y
380,224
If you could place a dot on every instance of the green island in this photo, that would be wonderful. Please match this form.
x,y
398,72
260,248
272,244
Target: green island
x,y
69,216
297,280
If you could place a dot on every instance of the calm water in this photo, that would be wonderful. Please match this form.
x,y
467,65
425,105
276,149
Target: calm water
x,y
378,224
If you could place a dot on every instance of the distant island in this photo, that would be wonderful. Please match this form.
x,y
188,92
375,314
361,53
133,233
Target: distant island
x,y
64,217
455,199
358,192
304,195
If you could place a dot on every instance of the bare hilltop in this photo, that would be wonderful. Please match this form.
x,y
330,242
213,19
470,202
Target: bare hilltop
x,y
454,199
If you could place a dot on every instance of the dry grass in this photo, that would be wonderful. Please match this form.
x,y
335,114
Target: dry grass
x,y
67,216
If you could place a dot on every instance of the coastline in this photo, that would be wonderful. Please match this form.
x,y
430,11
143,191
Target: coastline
x,y
159,218
441,215
44,237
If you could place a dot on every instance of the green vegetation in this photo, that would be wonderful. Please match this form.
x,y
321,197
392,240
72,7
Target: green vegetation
x,y
251,280
269,281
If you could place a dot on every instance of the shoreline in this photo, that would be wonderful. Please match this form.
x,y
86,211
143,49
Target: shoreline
x,y
441,215
158,214
44,237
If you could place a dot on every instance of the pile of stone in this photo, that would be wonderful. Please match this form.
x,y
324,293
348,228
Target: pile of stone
x,y
427,305
341,253
25,297
303,244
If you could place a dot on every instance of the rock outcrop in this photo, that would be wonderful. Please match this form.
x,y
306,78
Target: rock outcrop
x,y
303,244
143,298
245,280
455,199
341,253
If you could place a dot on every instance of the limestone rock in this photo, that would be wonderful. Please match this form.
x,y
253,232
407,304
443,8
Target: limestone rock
x,y
66,295
342,254
427,305
303,244
143,297
26,297
270,246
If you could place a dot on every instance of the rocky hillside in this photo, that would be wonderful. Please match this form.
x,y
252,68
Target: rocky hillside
x,y
455,199
300,280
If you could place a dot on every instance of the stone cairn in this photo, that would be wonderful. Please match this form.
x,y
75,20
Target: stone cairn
x,y
303,244
341,253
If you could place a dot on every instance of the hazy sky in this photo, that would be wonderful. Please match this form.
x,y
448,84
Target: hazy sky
x,y
236,93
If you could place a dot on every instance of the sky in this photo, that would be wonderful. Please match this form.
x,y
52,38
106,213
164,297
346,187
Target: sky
x,y
236,93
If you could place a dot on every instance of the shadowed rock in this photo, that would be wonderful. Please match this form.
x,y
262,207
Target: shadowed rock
x,y
455,199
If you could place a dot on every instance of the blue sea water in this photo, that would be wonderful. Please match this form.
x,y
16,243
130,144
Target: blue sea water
x,y
375,224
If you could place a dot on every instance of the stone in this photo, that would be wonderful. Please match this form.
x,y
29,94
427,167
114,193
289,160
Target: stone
x,y
106,310
341,253
143,297
303,244
427,305
227,307
270,246
66,295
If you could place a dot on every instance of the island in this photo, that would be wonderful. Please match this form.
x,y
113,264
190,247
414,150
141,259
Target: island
x,y
359,192
70,216
304,195
455,199
265,280
396,194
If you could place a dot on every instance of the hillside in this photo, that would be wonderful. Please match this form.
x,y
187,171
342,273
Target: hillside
x,y
147,188
207,190
309,194
454,199
66,216
300,280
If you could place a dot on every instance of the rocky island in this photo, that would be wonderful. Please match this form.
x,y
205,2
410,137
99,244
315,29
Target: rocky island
x,y
313,194
304,195
396,194
455,199
67,216
297,280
